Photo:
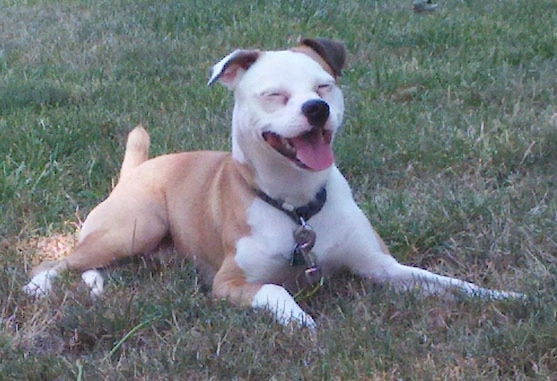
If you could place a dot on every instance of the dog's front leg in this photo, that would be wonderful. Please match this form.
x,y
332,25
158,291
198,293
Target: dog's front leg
x,y
367,256
283,306
230,283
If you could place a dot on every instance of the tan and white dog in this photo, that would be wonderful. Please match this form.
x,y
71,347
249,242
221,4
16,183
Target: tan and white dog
x,y
235,214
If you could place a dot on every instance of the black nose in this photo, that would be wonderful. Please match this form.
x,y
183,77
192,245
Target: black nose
x,y
317,112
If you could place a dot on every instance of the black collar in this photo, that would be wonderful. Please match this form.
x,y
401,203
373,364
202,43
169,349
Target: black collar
x,y
304,212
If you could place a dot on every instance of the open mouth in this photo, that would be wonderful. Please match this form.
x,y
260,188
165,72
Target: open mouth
x,y
310,150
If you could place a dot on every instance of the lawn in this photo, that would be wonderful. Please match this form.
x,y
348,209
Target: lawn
x,y
449,142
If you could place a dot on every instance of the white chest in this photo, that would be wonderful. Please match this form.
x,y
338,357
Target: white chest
x,y
266,254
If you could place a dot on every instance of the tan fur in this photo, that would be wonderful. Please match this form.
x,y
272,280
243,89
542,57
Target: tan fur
x,y
311,53
329,54
137,150
159,198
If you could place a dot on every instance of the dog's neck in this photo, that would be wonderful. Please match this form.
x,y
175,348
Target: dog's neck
x,y
295,186
281,179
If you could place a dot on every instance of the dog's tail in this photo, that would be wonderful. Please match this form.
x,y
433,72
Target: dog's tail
x,y
137,150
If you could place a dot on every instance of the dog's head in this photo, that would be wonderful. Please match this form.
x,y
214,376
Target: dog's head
x,y
288,105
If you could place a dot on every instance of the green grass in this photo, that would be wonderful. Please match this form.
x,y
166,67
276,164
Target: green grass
x,y
449,142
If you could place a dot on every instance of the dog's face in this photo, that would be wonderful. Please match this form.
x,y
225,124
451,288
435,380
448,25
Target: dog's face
x,y
288,104
287,110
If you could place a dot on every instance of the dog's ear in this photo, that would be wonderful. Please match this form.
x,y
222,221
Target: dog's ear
x,y
230,68
330,51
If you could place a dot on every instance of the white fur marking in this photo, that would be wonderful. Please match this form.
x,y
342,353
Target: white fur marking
x,y
41,283
406,278
285,309
94,280
218,68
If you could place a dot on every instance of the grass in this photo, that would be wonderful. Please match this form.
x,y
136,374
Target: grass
x,y
449,142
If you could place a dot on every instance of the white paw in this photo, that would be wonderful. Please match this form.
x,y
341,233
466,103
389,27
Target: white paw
x,y
301,318
40,284
485,293
95,281
283,306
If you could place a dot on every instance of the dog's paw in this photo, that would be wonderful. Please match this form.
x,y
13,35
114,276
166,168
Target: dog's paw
x,y
40,284
95,281
485,293
300,318
283,306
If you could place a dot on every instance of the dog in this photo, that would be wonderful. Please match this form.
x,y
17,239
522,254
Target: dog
x,y
273,215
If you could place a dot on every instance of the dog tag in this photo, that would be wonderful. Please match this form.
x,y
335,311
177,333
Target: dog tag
x,y
313,274
298,258
304,236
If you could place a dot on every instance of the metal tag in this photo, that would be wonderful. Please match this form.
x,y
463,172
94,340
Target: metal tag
x,y
313,275
304,236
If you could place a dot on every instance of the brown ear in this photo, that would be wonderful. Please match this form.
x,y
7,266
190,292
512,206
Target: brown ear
x,y
330,51
231,67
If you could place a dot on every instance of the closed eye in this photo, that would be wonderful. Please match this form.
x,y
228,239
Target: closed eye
x,y
324,88
275,96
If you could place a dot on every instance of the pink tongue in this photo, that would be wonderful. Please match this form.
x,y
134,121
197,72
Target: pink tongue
x,y
313,151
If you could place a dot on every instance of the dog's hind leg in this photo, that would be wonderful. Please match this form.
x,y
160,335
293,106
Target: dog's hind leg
x,y
115,229
129,222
